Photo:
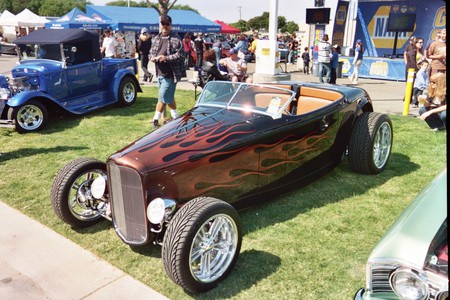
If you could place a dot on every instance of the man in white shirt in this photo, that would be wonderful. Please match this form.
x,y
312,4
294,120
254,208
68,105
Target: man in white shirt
x,y
109,45
237,67
324,58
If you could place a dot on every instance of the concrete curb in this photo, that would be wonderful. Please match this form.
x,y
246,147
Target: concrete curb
x,y
37,263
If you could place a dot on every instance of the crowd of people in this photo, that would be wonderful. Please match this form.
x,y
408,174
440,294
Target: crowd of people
x,y
428,64
205,55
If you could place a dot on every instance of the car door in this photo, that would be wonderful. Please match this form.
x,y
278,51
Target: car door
x,y
84,79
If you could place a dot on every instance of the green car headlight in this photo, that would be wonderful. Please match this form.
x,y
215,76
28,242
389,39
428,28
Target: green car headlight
x,y
409,284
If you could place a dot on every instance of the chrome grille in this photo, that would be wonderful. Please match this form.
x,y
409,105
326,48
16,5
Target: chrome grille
x,y
380,278
128,204
380,281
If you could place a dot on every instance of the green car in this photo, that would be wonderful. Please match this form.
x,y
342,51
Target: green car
x,y
411,260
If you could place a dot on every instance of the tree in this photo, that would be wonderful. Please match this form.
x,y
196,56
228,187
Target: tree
x,y
58,8
261,23
290,27
242,25
163,7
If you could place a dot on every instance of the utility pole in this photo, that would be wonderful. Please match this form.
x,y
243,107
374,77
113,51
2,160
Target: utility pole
x,y
240,16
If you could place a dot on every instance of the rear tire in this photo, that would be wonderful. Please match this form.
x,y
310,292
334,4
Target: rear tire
x,y
370,143
127,91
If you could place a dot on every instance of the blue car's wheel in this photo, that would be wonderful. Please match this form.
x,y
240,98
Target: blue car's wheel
x,y
127,91
31,116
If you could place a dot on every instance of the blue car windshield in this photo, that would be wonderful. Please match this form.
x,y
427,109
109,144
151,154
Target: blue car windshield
x,y
265,99
37,51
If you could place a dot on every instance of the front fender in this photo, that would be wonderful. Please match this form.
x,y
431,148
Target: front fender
x,y
24,96
120,74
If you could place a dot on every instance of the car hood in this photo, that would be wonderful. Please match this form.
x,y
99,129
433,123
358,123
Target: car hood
x,y
37,65
197,133
410,236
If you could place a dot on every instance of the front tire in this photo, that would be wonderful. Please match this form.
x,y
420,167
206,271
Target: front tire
x,y
29,117
127,92
202,244
71,195
370,143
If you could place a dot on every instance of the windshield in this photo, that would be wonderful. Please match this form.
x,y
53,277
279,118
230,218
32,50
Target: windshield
x,y
37,51
265,99
437,258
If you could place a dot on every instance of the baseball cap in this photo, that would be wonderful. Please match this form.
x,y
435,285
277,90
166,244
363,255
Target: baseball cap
x,y
336,46
232,51
144,30
167,19
358,41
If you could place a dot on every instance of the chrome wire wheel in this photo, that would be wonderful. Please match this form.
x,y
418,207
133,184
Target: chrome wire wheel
x,y
80,196
213,248
71,193
382,145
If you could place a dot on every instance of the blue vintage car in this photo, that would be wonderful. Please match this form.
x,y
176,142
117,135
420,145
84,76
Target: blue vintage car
x,y
63,70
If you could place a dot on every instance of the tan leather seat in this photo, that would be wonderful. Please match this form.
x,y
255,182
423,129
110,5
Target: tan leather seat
x,y
308,104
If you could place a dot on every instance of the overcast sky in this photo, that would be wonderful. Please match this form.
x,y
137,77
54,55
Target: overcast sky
x,y
230,11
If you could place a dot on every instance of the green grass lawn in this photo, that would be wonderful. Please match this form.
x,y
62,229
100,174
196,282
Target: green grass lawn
x,y
311,243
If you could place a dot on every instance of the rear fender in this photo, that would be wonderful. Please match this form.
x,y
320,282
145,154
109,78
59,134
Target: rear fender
x,y
120,74
364,105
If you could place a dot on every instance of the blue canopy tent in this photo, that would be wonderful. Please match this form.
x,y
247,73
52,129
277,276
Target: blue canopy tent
x,y
134,18
76,19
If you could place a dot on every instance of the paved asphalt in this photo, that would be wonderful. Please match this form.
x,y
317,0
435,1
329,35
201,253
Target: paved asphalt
x,y
37,263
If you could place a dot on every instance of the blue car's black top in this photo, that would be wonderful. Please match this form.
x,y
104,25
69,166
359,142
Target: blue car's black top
x,y
74,37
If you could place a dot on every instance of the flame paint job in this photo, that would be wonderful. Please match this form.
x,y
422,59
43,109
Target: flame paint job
x,y
226,153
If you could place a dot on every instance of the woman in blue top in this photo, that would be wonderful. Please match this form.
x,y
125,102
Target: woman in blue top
x,y
357,61
242,46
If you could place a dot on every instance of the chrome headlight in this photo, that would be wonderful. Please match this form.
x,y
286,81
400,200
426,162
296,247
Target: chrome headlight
x,y
160,210
5,93
98,187
409,284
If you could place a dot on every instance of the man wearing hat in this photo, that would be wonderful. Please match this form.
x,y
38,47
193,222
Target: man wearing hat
x,y
168,55
109,45
143,47
236,66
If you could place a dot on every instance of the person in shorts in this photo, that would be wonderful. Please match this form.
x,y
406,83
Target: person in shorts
x,y
167,53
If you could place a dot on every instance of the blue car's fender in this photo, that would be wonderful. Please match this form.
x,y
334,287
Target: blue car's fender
x,y
23,97
120,74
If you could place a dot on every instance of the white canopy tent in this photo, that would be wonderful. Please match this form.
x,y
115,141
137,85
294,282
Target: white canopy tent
x,y
7,18
26,18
